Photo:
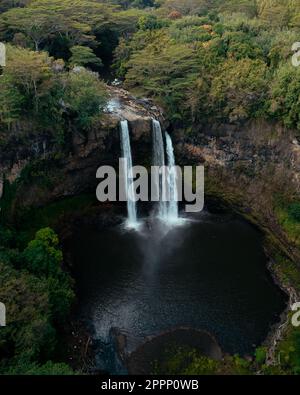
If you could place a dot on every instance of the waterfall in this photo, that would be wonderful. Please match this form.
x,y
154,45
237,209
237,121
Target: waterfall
x,y
172,214
159,160
167,210
126,152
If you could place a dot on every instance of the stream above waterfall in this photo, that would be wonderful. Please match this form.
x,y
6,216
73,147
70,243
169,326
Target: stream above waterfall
x,y
209,274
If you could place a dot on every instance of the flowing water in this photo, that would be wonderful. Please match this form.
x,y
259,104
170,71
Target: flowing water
x,y
159,160
172,214
166,183
130,192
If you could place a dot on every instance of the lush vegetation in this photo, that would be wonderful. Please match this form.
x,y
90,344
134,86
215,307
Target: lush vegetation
x,y
187,361
203,61
200,59
38,294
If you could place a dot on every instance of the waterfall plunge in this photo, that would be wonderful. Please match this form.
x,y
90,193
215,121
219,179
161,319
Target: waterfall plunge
x,y
166,184
159,160
132,222
172,209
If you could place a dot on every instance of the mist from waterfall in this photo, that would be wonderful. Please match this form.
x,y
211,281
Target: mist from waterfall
x,y
166,184
132,222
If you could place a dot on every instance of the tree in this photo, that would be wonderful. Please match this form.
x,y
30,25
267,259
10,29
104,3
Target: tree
x,y
43,258
34,24
150,22
188,7
164,70
83,56
41,21
274,12
42,255
26,71
285,103
240,89
241,45
11,101
85,97
29,331
248,7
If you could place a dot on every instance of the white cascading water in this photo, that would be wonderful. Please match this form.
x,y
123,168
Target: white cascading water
x,y
159,160
130,192
167,210
172,213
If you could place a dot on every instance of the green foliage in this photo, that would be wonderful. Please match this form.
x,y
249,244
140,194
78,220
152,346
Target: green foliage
x,y
285,103
188,7
29,333
260,355
83,56
240,89
294,211
151,22
42,255
42,21
132,3
85,97
37,88
165,70
43,258
289,352
274,12
202,60
34,369
11,102
247,7
38,296
24,74
239,66
186,361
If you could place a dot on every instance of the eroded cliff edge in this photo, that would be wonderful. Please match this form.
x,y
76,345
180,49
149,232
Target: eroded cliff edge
x,y
248,166
55,172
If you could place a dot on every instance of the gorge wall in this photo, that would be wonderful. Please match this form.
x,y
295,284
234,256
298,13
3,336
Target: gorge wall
x,y
246,166
72,170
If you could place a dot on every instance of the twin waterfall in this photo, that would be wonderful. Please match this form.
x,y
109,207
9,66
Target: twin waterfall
x,y
165,182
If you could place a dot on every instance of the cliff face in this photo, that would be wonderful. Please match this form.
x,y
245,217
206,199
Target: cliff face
x,y
251,148
250,167
245,165
73,170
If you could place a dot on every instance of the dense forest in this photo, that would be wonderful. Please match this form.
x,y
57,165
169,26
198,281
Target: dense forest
x,y
202,61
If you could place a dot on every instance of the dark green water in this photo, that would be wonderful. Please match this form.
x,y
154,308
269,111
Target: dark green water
x,y
208,274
